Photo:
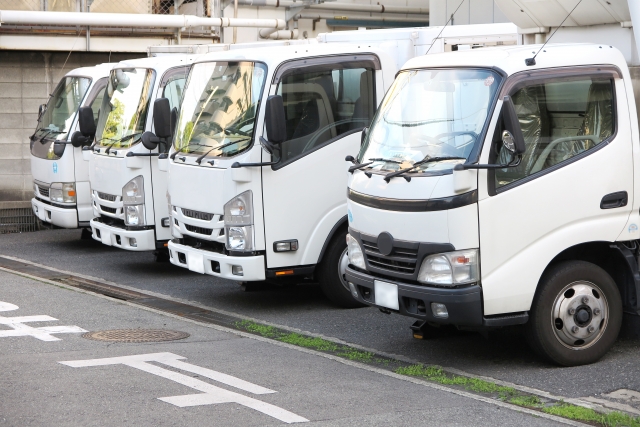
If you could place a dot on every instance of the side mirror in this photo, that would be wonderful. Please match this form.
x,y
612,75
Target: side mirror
x,y
150,140
79,140
162,118
275,120
58,149
41,109
86,121
512,138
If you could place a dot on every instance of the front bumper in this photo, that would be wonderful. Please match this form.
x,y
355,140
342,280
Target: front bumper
x,y
145,240
464,305
62,217
216,264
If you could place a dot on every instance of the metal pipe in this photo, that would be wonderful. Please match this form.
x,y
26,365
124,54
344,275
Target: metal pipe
x,y
130,20
279,34
88,39
349,7
235,15
356,17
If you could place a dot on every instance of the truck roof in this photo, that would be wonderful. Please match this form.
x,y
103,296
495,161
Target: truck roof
x,y
95,72
511,59
275,55
159,63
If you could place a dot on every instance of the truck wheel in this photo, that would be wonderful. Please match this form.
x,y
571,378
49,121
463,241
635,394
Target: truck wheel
x,y
576,314
331,273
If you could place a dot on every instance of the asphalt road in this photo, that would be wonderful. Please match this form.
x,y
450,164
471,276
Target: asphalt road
x,y
212,377
504,354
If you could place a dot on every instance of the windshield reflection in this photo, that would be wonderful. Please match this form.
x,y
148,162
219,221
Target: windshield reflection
x,y
431,117
219,108
123,113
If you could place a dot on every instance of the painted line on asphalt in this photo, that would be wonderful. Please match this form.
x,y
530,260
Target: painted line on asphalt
x,y
414,380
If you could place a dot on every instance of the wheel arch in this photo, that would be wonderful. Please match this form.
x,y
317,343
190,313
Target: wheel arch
x,y
616,258
341,224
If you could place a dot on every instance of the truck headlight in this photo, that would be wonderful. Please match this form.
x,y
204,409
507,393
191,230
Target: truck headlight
x,y
134,215
356,256
133,200
238,222
450,269
63,192
240,238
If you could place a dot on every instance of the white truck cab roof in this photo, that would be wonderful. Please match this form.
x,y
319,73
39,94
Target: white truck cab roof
x,y
511,59
160,63
95,72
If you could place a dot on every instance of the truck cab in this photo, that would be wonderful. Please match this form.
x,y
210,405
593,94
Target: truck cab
x,y
248,204
497,189
62,195
124,174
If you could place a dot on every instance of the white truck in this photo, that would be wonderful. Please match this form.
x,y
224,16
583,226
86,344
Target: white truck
x,y
256,184
128,186
496,187
62,196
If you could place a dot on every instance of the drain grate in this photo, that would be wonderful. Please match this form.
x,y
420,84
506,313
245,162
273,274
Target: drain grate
x,y
135,335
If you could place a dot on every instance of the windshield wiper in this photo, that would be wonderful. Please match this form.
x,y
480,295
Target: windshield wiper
x,y
427,159
124,138
199,159
373,160
49,132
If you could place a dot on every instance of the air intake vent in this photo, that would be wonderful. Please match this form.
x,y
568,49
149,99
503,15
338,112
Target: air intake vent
x,y
44,191
401,260
108,210
199,230
108,197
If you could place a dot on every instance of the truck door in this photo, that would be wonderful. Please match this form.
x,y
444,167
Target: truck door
x,y
578,154
171,87
326,106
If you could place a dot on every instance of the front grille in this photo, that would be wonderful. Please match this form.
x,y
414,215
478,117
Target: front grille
x,y
199,230
44,191
197,214
400,260
108,210
108,197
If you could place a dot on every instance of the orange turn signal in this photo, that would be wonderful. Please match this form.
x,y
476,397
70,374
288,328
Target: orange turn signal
x,y
284,272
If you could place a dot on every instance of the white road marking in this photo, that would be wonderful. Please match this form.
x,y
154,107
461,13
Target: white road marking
x,y
19,329
210,395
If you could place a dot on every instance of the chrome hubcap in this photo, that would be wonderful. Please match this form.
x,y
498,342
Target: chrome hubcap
x,y
342,269
580,314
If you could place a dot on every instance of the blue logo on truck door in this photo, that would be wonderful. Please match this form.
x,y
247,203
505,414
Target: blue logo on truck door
x,y
55,167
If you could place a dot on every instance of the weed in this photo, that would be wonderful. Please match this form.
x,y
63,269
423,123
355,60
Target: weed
x,y
308,342
527,401
256,328
357,355
578,413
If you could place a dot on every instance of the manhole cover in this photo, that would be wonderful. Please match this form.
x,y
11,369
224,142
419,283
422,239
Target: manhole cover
x,y
135,335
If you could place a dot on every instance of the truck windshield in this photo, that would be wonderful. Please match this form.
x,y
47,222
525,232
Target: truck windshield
x,y
55,122
430,114
219,108
123,112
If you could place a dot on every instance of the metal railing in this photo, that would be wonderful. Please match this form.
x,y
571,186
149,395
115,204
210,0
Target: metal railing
x,y
160,7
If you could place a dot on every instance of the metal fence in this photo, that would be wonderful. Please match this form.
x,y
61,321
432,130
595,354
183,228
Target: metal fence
x,y
18,220
163,7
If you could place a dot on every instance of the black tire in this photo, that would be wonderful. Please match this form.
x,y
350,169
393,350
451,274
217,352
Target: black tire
x,y
332,284
572,298
161,255
86,234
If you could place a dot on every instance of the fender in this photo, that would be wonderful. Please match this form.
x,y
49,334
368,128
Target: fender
x,y
333,231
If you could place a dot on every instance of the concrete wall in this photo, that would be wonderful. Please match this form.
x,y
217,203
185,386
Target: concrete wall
x,y
470,12
26,82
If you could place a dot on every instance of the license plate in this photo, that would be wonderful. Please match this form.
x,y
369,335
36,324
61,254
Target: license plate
x,y
105,236
195,262
386,294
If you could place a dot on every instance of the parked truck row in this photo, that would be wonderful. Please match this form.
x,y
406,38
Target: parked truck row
x,y
483,188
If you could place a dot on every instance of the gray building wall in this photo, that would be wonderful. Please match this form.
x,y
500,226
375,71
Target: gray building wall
x,y
26,80
470,12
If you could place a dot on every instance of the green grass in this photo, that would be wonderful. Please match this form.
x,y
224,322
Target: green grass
x,y
437,374
526,401
357,355
309,342
578,413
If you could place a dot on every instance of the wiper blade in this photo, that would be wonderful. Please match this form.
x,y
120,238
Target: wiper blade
x,y
124,138
373,160
199,159
427,159
50,132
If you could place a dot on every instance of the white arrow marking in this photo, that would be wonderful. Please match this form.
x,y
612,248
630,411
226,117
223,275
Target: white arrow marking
x,y
19,329
210,395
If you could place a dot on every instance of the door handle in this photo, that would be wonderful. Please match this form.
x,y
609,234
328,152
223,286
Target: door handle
x,y
614,200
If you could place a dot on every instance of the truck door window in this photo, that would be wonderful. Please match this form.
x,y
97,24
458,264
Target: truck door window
x,y
96,103
559,120
321,105
173,91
